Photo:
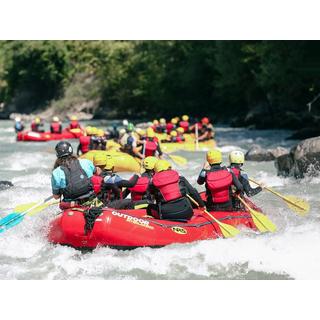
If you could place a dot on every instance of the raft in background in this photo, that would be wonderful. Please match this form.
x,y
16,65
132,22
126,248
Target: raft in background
x,y
123,161
48,136
128,229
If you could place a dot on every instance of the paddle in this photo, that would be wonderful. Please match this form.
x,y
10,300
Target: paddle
x,y
14,218
227,230
262,222
296,204
23,207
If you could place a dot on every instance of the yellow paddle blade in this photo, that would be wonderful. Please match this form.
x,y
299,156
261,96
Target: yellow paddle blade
x,y
181,161
24,207
141,206
298,205
227,230
262,222
77,130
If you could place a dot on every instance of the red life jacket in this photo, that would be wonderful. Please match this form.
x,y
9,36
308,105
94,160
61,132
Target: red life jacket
x,y
219,182
55,127
236,171
170,127
179,139
97,183
140,189
167,183
184,125
74,124
150,148
84,143
34,126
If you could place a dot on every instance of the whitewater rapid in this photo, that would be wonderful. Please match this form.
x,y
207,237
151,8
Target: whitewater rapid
x,y
291,253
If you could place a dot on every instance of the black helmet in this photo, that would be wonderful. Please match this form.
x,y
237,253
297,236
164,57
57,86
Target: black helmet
x,y
63,148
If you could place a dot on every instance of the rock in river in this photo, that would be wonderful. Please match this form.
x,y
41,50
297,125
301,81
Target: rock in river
x,y
257,153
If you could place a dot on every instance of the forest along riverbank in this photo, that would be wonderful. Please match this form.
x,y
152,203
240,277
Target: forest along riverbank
x,y
292,252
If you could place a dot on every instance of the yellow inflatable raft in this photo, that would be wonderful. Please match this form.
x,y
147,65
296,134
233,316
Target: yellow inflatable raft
x,y
124,162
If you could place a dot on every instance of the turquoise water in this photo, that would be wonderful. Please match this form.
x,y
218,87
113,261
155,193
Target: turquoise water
x,y
291,253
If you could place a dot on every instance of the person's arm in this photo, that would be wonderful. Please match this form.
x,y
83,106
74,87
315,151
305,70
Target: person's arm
x,y
202,176
128,183
191,191
56,193
159,150
78,149
250,192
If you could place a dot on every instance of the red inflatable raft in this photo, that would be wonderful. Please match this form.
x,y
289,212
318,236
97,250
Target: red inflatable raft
x,y
127,229
48,136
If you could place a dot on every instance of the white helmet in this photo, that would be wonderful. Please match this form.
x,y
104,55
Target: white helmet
x,y
236,157
17,119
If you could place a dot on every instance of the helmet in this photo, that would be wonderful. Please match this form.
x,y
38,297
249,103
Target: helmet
x,y
100,133
149,162
122,131
74,118
37,120
236,157
150,133
130,127
180,130
177,118
174,121
185,117
63,148
205,120
109,163
99,159
94,131
17,119
55,119
214,156
155,122
162,165
89,131
173,133
162,120
140,132
125,122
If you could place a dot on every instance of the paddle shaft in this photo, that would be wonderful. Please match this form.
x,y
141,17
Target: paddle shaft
x,y
278,194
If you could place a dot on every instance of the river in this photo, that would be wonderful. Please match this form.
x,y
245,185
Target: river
x,y
291,253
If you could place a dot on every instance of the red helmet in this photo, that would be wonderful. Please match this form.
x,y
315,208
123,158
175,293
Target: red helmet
x,y
205,120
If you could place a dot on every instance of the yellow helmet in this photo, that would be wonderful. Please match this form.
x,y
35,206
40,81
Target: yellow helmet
x,y
174,121
173,133
89,131
162,121
155,122
185,117
37,120
109,163
149,162
162,165
180,130
99,159
150,133
74,118
122,131
100,133
177,118
214,156
55,119
236,157
94,131
140,132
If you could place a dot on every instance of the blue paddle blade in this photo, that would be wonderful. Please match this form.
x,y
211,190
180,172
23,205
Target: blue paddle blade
x,y
10,221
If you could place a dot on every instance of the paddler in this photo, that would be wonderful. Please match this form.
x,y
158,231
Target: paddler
x,y
180,136
206,131
185,123
71,177
162,128
170,190
74,123
55,126
140,191
85,141
37,125
219,181
236,159
112,186
171,125
151,146
18,125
